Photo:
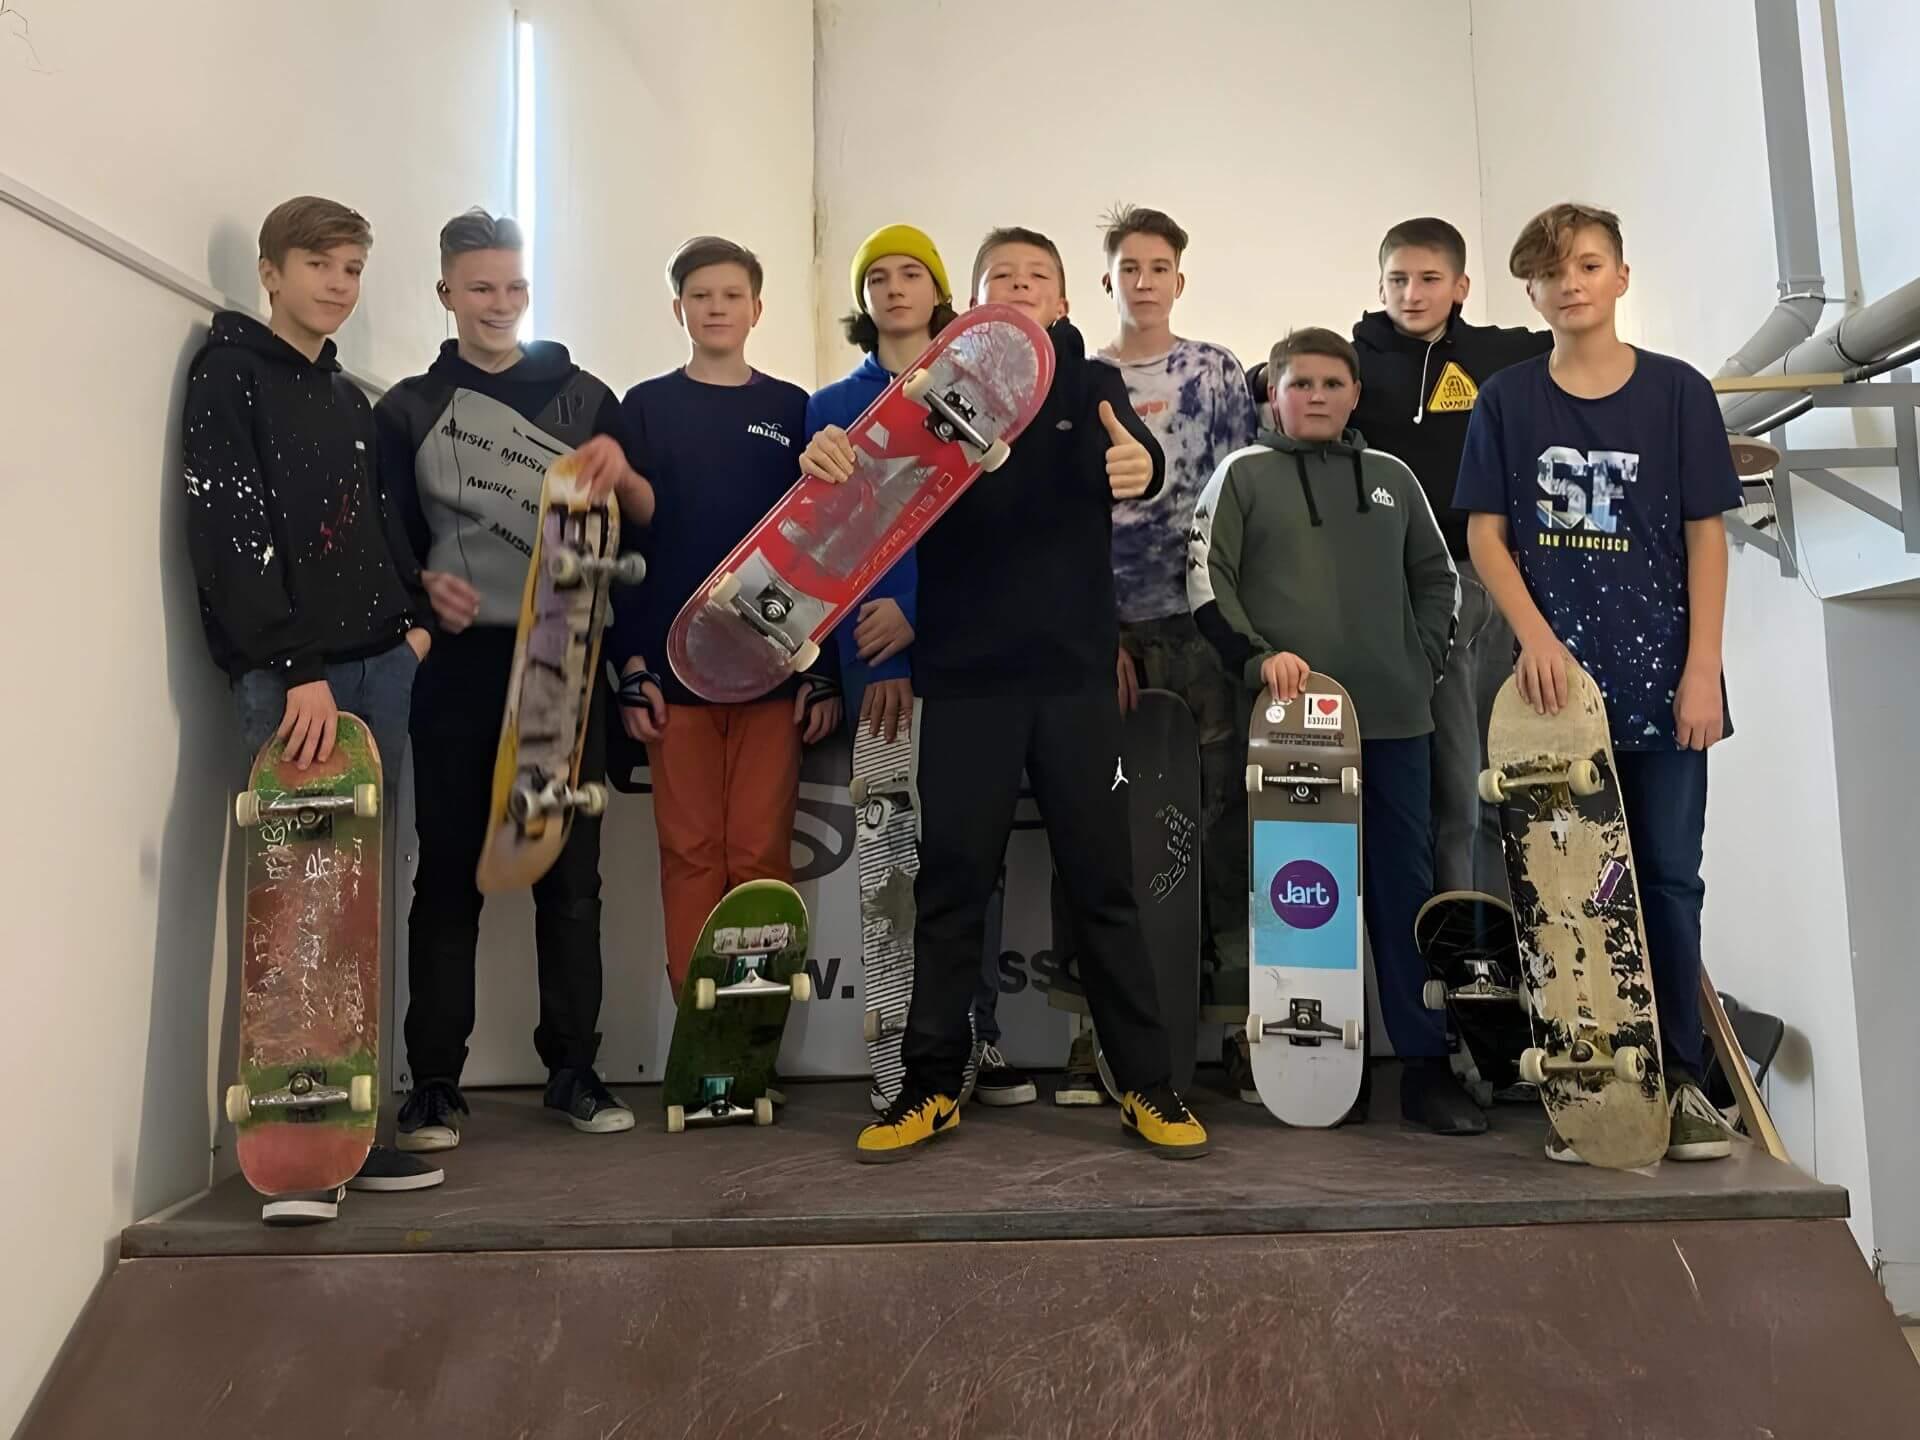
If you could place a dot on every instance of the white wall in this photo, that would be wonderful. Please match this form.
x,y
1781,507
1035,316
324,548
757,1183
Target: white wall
x,y
1285,138
1665,128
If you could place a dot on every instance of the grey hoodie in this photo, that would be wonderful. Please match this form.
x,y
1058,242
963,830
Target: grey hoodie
x,y
1330,551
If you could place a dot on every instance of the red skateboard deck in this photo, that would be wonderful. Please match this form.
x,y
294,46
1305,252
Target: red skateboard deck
x,y
763,613
304,1107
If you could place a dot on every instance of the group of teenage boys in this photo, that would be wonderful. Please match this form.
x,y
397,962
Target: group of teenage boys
x,y
1408,512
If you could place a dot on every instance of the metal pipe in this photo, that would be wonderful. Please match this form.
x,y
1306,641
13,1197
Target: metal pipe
x,y
1796,237
1890,323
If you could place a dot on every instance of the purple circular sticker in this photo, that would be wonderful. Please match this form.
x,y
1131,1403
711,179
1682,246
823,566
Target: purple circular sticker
x,y
1305,894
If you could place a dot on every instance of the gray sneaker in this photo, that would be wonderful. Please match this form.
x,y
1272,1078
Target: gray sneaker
x,y
1560,1150
1696,1131
1081,1084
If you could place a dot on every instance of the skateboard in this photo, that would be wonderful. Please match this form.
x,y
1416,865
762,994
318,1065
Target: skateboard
x,y
1160,769
1730,1051
748,964
761,615
556,657
887,851
1468,940
1306,990
304,1106
1583,950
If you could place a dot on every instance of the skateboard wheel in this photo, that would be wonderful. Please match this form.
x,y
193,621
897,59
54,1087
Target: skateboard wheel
x,y
914,387
629,569
1583,777
870,1026
1255,1029
763,1111
1433,994
1349,780
676,1119
563,567
591,800
360,1094
802,986
724,589
1630,1064
805,655
366,801
1533,1066
996,456
246,808
239,1104
1493,787
705,994
1256,779
1351,1034
857,792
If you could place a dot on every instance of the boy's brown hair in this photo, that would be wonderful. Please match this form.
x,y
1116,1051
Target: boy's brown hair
x,y
1312,340
861,330
310,222
1125,220
1014,235
1427,232
1546,238
705,250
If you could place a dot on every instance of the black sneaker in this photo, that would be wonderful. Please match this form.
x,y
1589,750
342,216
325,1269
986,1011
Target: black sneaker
x,y
428,1117
1432,1098
590,1105
1239,1068
999,1083
313,1207
388,1169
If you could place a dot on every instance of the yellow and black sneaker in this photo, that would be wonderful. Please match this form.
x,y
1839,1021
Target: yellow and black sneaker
x,y
1161,1118
913,1119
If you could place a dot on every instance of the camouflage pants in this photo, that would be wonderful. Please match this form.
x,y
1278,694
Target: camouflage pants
x,y
1171,654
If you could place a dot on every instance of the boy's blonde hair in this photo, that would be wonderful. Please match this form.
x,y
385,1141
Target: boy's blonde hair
x,y
1546,238
310,222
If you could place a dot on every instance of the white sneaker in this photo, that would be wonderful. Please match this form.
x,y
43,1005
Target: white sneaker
x,y
314,1208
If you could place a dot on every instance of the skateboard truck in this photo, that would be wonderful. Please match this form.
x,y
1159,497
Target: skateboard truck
x,y
1303,1026
718,1107
528,803
1304,780
751,947
566,567
250,807
1628,1063
767,613
1582,777
304,1090
950,418
1485,984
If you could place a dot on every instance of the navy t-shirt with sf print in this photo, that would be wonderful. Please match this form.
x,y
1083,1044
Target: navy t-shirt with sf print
x,y
719,457
1597,494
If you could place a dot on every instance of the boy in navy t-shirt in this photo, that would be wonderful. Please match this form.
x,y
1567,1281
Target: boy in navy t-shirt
x,y
1597,476
721,442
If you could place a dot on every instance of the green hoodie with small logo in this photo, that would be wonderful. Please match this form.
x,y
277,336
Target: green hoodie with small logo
x,y
1329,550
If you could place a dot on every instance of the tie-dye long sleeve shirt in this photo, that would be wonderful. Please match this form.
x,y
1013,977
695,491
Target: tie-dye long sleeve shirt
x,y
1194,398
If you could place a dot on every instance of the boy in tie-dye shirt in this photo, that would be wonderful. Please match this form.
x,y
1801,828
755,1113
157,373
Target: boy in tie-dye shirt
x,y
1193,396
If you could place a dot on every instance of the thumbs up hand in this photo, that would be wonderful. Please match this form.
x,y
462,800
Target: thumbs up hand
x,y
1129,466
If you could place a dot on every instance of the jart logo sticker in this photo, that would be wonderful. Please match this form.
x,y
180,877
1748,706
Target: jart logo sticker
x,y
1305,894
1324,712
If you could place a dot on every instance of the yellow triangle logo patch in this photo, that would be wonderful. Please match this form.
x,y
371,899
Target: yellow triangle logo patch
x,y
1453,391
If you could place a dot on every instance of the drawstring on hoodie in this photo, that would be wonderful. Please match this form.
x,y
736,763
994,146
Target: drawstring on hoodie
x,y
1420,396
1306,486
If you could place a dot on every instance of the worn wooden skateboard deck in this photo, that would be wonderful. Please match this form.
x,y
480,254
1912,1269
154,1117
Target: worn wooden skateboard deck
x,y
304,1106
1583,949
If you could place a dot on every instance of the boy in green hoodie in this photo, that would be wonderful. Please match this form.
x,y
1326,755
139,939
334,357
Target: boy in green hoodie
x,y
1311,551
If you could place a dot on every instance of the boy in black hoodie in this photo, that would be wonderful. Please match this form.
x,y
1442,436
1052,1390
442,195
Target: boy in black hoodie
x,y
1421,369
467,447
1013,659
300,565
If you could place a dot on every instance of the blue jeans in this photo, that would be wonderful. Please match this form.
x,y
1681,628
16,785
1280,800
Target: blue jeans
x,y
378,689
1665,792
1396,850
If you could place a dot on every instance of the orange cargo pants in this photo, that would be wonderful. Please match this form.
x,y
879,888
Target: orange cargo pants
x,y
726,779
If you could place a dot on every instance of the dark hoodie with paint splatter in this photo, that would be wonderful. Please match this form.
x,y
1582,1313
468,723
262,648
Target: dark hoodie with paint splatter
x,y
298,555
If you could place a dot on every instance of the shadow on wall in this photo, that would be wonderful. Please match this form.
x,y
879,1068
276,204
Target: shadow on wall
x,y
175,1136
